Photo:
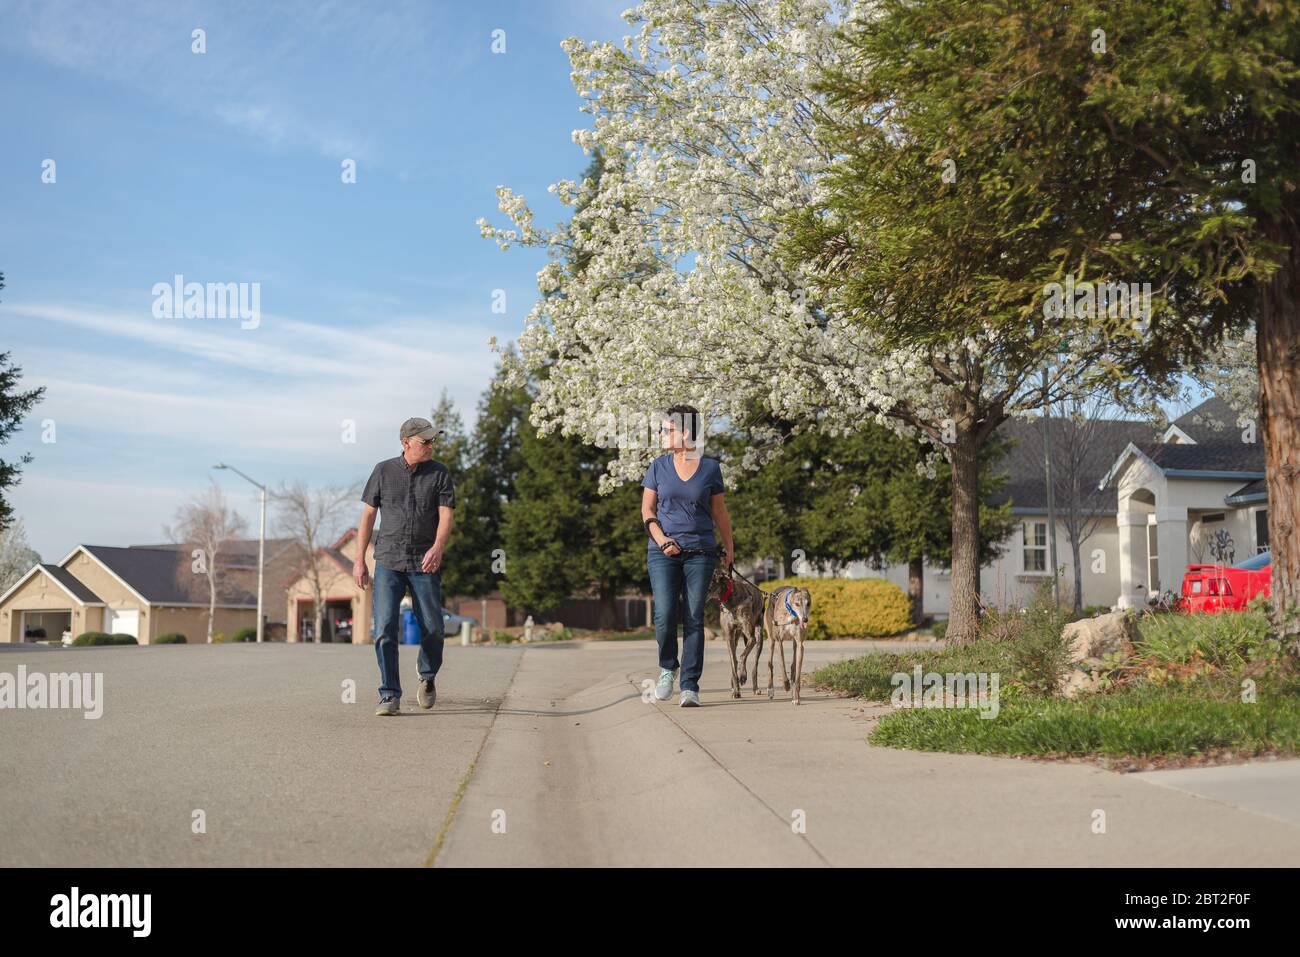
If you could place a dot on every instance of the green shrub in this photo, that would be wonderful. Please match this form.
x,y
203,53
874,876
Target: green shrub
x,y
93,638
219,637
1040,655
853,607
103,638
939,629
171,638
1228,641
245,634
504,637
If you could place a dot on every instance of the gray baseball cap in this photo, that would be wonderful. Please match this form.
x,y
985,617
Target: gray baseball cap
x,y
420,429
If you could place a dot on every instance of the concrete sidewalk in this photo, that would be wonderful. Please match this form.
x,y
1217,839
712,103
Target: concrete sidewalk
x,y
579,770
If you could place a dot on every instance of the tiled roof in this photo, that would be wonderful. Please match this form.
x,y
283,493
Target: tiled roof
x,y
163,576
72,584
1026,469
1218,456
1216,449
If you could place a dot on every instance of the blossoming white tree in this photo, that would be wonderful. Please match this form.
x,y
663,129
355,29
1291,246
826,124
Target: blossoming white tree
x,y
670,282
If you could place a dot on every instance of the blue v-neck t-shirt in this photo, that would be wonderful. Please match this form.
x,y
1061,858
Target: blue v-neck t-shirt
x,y
684,508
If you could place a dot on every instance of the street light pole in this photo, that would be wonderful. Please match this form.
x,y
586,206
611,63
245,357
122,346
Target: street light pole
x,y
261,544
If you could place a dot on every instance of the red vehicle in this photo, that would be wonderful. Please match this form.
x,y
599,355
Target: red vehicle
x,y
1214,588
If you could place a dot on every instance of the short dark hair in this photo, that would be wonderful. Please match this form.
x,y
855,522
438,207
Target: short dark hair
x,y
680,415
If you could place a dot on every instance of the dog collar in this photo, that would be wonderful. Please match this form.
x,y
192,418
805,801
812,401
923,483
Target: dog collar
x,y
793,614
731,584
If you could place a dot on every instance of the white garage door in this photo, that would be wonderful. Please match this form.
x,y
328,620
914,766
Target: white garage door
x,y
122,621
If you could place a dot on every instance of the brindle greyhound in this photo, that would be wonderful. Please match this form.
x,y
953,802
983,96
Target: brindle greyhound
x,y
741,616
786,616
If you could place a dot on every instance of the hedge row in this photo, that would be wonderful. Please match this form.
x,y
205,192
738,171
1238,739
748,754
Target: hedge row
x,y
853,607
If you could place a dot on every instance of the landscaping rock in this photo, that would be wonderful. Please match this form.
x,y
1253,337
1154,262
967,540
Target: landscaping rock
x,y
1092,638
1078,682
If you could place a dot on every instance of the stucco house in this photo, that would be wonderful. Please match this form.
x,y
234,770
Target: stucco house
x,y
347,607
1193,492
1196,496
144,592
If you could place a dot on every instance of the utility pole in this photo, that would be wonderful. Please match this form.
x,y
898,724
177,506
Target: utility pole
x,y
261,544
1051,494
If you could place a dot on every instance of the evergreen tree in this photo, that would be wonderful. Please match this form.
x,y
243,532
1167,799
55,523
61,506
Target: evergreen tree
x,y
14,405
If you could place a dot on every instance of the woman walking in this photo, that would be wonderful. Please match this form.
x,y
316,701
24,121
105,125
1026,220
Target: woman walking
x,y
682,504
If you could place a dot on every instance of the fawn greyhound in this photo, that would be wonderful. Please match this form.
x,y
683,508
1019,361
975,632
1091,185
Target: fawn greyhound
x,y
741,616
786,616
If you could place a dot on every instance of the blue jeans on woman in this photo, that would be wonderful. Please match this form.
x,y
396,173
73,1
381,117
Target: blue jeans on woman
x,y
680,584
426,603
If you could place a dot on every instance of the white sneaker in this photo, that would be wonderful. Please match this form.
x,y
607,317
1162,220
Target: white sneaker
x,y
690,699
664,690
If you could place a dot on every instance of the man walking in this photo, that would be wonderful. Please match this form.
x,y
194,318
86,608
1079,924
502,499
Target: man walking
x,y
417,499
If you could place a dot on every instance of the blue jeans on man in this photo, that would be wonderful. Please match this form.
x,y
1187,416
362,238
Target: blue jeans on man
x,y
680,584
426,602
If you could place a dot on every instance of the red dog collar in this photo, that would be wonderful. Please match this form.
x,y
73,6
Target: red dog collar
x,y
731,584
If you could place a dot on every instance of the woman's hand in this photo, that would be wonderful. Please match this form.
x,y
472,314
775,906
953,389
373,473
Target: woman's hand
x,y
670,547
728,556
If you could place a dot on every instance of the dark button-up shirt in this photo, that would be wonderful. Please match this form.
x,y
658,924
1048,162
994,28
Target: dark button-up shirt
x,y
408,500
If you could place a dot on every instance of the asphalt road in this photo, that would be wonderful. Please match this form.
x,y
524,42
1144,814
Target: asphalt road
x,y
547,754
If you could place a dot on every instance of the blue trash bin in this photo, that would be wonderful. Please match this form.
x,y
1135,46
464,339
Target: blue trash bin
x,y
410,630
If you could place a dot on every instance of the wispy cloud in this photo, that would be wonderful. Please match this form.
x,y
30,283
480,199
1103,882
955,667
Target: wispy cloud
x,y
288,75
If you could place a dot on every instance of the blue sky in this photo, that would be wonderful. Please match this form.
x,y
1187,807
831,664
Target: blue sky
x,y
225,167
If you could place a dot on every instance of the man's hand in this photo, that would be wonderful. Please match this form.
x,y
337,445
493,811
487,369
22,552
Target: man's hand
x,y
360,573
729,556
432,560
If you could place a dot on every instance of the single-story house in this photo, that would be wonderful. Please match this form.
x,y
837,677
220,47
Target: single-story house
x,y
238,560
144,592
1193,492
347,607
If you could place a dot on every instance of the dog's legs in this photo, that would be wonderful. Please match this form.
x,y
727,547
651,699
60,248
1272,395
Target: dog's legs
x,y
785,673
758,659
729,633
744,658
775,641
797,657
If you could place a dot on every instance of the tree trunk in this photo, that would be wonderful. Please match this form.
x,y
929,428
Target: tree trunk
x,y
963,605
1277,341
212,601
318,621
1076,551
916,589
607,616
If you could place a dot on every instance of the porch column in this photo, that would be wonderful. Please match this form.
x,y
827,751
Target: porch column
x,y
1171,536
1132,558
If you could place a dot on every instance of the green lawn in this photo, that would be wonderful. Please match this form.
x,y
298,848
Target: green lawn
x,y
1184,692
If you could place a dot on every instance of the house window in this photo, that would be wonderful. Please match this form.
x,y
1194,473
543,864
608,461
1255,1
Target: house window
x,y
1261,530
1035,542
